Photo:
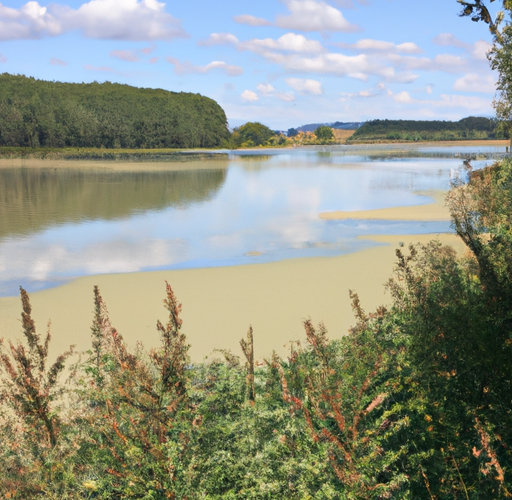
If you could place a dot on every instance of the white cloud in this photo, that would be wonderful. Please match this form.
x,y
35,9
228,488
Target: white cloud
x,y
268,90
408,48
265,88
480,50
464,103
125,55
251,20
473,82
311,15
285,96
368,44
305,86
186,67
360,67
441,62
402,97
447,39
219,39
55,62
103,19
3,59
290,42
249,95
31,21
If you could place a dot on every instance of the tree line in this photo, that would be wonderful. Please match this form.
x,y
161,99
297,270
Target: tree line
x,y
37,113
469,128
414,403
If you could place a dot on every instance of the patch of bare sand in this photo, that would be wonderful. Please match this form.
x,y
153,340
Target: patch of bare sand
x,y
219,304
436,211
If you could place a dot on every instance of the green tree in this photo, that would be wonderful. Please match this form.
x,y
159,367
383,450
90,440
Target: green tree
x,y
253,134
324,133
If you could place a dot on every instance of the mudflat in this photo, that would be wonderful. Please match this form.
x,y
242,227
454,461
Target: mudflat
x,y
220,303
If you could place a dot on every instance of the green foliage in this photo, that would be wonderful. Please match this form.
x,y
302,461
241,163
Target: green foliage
x,y
434,130
36,113
324,133
252,134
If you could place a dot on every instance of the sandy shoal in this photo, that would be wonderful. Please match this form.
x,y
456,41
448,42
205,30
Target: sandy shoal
x,y
436,211
220,303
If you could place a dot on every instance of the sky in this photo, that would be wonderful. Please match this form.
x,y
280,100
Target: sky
x,y
283,63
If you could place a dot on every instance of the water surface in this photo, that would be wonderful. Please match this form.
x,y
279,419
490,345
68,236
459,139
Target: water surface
x,y
59,224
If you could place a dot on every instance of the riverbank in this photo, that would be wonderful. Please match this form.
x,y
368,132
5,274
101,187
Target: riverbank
x,y
220,303
27,156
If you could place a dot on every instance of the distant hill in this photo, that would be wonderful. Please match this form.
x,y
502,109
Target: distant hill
x,y
311,127
38,113
471,127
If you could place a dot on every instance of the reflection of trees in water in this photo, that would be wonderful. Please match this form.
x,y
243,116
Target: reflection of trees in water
x,y
32,199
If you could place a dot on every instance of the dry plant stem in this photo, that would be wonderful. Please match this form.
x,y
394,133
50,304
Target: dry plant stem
x,y
32,388
248,350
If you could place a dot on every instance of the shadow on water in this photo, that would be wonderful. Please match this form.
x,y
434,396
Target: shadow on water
x,y
34,199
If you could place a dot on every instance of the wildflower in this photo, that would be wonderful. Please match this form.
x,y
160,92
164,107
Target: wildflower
x,y
90,485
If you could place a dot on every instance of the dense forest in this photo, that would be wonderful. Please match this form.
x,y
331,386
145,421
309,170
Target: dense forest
x,y
37,113
469,128
414,403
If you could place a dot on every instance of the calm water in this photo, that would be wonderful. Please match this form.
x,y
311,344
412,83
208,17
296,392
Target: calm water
x,y
56,225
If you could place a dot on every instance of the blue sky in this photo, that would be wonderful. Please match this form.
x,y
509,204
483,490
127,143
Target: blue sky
x,y
281,62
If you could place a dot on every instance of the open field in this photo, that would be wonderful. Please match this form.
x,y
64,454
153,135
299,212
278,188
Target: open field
x,y
340,136
220,303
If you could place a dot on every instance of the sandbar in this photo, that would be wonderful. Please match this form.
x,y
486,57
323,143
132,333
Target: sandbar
x,y
436,211
220,303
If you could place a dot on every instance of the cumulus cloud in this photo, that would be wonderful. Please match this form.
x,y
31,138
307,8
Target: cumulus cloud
x,y
480,50
31,21
368,44
249,95
473,82
57,62
311,15
441,62
360,67
266,88
466,103
477,50
103,19
305,15
251,20
125,55
186,67
290,42
219,39
305,86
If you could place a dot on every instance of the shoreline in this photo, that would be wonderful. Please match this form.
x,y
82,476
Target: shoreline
x,y
220,303
435,211
91,157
